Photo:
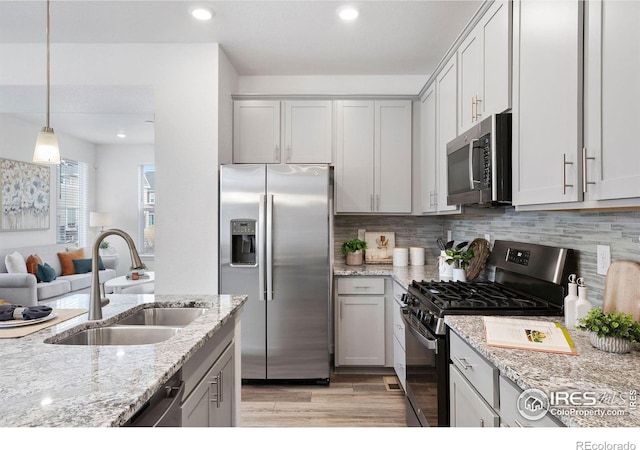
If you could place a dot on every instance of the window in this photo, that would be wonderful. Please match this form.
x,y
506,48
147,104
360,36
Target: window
x,y
71,204
147,209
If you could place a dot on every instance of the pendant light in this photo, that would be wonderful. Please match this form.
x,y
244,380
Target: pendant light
x,y
47,150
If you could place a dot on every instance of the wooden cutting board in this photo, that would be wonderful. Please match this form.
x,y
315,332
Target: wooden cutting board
x,y
622,288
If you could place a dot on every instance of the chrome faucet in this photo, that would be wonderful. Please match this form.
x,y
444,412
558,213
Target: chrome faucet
x,y
96,301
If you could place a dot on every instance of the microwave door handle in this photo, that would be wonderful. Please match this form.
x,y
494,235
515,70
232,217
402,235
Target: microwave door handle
x,y
471,149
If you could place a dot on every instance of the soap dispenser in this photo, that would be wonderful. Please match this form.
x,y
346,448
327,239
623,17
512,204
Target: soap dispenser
x,y
570,303
583,305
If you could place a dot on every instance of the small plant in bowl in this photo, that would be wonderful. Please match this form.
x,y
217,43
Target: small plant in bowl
x,y
612,332
353,249
459,256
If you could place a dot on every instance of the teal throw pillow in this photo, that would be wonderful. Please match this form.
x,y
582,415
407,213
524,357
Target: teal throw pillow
x,y
45,273
84,265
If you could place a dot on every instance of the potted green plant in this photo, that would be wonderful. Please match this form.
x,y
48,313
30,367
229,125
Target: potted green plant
x,y
612,332
353,251
459,257
105,248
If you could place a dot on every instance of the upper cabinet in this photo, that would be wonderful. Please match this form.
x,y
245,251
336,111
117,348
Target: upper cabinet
x,y
273,132
562,157
446,129
547,101
484,67
428,144
612,101
373,156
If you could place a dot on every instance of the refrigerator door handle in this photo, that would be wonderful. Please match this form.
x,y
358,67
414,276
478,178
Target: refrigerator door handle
x,y
261,247
269,249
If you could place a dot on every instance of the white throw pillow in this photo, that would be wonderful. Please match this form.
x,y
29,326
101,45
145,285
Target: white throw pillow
x,y
15,263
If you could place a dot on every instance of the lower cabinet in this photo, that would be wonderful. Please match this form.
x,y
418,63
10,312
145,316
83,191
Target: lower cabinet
x,y
361,331
363,322
210,382
480,396
467,407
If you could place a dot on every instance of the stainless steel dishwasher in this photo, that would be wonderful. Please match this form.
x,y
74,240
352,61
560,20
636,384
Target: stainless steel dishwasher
x,y
163,408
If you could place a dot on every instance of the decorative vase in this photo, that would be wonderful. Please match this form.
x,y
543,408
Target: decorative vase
x,y
355,258
610,343
459,274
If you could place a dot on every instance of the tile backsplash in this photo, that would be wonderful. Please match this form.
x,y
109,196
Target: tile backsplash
x,y
579,230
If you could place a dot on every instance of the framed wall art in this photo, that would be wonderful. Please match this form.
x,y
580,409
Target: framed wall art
x,y
380,245
25,195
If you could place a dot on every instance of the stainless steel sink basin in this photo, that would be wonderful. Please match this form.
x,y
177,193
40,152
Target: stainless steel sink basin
x,y
120,336
170,317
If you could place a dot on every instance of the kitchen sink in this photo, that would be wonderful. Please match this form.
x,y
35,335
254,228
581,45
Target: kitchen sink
x,y
171,317
120,336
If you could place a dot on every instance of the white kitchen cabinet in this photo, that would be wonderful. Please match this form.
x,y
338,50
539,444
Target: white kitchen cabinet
x,y
467,407
292,131
210,383
547,101
612,101
446,128
484,67
428,148
399,349
373,146
360,319
509,414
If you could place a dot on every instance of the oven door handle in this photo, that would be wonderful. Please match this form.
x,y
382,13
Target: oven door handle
x,y
431,344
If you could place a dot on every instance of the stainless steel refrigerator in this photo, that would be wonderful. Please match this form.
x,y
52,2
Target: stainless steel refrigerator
x,y
274,247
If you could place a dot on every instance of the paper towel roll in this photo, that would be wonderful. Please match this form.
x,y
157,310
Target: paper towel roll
x,y
416,256
400,256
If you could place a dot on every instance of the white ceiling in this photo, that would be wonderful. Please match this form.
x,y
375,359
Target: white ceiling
x,y
303,37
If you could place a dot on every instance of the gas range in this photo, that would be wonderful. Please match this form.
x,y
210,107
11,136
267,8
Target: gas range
x,y
530,280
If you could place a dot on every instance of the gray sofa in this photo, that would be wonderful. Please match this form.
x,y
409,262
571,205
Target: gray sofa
x,y
24,289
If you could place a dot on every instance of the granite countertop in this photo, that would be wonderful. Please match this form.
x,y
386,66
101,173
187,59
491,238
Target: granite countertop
x,y
403,275
614,377
49,385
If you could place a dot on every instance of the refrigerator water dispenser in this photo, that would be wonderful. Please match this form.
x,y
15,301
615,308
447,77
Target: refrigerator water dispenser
x,y
243,242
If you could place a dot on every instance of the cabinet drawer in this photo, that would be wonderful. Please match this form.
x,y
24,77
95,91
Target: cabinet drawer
x,y
361,285
480,372
510,415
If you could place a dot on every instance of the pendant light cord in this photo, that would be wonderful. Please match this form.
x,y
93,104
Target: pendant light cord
x,y
48,66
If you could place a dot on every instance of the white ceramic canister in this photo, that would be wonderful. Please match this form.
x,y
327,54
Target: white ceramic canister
x,y
400,256
445,270
416,256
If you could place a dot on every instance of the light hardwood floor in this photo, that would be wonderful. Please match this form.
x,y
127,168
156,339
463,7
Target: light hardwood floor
x,y
348,401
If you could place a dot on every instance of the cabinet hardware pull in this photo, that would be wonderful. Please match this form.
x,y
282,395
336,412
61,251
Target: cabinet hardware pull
x,y
482,422
473,104
371,201
565,163
288,153
464,363
585,158
220,386
214,381
477,101
277,153
377,202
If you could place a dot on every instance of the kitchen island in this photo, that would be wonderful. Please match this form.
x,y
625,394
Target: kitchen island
x,y
612,377
50,385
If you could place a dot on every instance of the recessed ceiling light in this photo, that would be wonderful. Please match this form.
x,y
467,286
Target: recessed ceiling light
x,y
201,13
348,13
121,135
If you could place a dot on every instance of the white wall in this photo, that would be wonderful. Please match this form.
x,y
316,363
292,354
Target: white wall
x,y
333,85
117,177
185,79
17,141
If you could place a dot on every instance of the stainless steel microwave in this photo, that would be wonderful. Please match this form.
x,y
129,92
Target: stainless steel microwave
x,y
479,164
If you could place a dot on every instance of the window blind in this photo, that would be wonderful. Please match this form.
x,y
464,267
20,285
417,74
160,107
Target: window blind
x,y
72,220
147,209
